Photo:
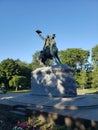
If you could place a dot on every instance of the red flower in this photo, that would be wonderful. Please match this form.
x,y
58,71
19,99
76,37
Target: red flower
x,y
23,124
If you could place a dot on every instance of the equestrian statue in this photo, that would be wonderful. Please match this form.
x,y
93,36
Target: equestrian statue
x,y
50,50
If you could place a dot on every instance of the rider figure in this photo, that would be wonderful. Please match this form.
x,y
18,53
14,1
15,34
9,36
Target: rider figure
x,y
46,47
49,48
53,46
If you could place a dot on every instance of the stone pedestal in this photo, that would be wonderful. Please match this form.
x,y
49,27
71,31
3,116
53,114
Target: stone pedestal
x,y
53,81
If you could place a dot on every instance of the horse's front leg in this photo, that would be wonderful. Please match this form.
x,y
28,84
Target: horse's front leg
x,y
41,59
58,59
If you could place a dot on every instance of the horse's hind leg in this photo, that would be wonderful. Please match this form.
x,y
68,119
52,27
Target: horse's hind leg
x,y
41,63
40,59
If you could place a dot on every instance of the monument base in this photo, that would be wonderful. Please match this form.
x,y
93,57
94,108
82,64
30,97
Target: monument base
x,y
53,81
78,113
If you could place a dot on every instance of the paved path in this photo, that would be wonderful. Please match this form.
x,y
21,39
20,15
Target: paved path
x,y
82,106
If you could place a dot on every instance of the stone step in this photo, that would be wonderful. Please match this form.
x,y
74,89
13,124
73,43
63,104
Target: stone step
x,y
18,113
19,110
22,109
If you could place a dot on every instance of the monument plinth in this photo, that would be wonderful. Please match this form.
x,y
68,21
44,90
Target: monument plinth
x,y
54,80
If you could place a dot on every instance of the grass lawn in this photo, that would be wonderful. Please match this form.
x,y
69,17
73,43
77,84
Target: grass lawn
x,y
87,91
80,91
21,91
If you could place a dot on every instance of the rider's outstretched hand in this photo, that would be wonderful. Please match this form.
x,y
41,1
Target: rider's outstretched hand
x,y
38,31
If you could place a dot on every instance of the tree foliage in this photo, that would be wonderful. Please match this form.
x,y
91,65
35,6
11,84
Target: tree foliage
x,y
17,81
25,69
2,75
75,57
10,68
35,62
82,79
95,77
95,55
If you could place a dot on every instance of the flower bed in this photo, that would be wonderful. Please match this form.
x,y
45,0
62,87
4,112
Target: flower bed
x,y
9,121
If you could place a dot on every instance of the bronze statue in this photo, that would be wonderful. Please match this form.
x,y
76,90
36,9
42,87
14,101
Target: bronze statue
x,y
50,50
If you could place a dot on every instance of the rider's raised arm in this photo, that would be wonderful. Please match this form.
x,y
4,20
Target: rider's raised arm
x,y
39,33
41,37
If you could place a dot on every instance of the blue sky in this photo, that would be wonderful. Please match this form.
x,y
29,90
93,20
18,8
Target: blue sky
x,y
75,23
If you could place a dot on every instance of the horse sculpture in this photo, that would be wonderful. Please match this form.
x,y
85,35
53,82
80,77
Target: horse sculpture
x,y
46,55
50,50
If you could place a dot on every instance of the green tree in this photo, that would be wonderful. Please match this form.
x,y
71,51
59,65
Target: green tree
x,y
95,55
35,62
18,81
8,68
89,81
95,78
2,76
82,79
25,70
75,57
